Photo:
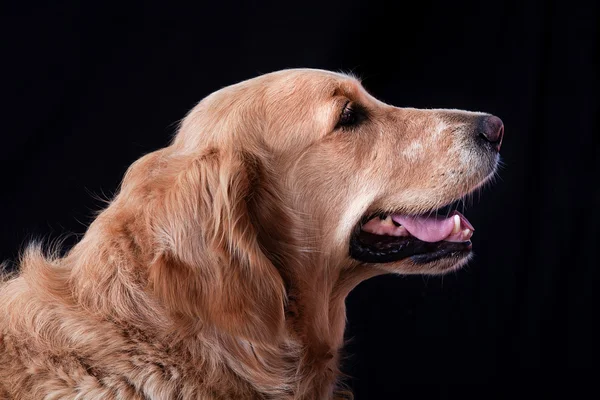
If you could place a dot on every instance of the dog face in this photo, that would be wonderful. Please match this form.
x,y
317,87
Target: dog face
x,y
368,182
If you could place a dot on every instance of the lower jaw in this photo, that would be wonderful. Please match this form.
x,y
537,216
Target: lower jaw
x,y
369,248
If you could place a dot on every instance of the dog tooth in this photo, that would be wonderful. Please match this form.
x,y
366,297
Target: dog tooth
x,y
467,233
388,221
401,231
456,224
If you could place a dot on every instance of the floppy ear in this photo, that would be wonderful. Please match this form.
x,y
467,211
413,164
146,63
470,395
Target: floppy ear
x,y
211,269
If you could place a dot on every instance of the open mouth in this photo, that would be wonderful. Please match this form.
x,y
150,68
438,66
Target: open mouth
x,y
384,238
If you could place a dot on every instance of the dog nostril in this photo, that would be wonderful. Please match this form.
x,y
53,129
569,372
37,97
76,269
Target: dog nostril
x,y
491,129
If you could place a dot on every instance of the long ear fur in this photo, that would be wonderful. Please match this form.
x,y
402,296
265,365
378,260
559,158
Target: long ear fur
x,y
211,269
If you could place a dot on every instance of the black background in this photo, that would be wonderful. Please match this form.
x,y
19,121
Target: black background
x,y
87,89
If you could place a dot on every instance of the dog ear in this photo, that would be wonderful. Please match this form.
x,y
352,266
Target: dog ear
x,y
211,269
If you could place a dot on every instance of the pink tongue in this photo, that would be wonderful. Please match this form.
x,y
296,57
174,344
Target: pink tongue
x,y
431,229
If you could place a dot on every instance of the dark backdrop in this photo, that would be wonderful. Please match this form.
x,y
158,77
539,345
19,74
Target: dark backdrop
x,y
87,89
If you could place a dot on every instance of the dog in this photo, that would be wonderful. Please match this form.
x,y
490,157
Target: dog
x,y
220,269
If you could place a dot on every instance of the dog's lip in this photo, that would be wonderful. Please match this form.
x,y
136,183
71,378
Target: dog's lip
x,y
379,249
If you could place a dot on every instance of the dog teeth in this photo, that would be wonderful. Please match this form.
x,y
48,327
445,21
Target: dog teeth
x,y
457,225
387,221
401,231
466,234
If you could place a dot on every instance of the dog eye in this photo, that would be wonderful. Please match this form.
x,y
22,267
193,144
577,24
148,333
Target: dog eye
x,y
349,116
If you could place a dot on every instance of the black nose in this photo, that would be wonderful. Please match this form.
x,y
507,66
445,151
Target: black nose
x,y
491,129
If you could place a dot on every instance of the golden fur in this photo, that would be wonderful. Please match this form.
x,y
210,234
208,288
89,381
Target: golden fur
x,y
220,269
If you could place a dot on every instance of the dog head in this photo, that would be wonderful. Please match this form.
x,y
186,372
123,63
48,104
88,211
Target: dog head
x,y
306,161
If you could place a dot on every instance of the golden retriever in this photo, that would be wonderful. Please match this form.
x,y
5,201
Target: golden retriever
x,y
220,269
